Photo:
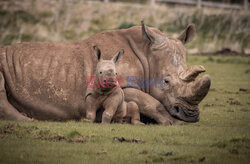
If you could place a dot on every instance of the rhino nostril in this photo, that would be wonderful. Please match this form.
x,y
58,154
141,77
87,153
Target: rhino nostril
x,y
177,109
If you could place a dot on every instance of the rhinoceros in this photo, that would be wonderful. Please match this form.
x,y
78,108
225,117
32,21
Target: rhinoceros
x,y
107,93
47,81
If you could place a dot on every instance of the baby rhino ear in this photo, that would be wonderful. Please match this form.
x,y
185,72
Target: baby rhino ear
x,y
97,52
118,56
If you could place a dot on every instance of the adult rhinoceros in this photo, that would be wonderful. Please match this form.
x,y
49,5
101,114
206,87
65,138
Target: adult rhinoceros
x,y
47,81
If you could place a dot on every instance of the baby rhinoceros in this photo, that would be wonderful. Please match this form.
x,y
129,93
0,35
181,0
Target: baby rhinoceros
x,y
109,95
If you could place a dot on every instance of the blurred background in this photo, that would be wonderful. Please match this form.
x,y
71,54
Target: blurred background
x,y
220,23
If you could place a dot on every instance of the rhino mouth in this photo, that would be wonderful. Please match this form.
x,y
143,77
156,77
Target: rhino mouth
x,y
108,84
183,113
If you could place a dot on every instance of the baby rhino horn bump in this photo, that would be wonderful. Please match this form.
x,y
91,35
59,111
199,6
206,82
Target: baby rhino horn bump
x,y
192,72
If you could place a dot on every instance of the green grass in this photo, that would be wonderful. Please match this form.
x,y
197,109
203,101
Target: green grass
x,y
221,136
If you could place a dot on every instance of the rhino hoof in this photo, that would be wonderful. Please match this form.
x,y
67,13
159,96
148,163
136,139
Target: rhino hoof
x,y
136,122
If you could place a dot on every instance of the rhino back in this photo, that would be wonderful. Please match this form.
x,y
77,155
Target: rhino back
x,y
46,73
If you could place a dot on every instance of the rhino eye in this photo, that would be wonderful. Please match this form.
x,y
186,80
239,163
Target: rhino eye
x,y
100,72
166,81
115,73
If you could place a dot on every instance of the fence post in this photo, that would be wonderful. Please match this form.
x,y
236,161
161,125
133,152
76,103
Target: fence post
x,y
199,3
106,1
246,4
151,2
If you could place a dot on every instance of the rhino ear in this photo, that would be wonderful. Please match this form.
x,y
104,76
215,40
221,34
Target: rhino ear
x,y
151,35
118,56
188,34
144,33
97,52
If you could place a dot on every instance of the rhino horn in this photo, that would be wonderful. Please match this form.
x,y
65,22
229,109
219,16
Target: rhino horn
x,y
191,73
151,35
199,90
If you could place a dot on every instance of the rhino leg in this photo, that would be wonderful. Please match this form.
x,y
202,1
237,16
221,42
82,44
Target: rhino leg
x,y
7,111
120,113
111,105
149,106
92,106
134,113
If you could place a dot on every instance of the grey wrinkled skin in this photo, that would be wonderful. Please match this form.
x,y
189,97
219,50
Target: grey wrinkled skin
x,y
48,81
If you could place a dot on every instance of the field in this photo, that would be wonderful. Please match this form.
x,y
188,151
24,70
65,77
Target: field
x,y
60,20
221,136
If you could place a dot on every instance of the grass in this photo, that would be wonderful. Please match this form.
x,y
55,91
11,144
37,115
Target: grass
x,y
221,136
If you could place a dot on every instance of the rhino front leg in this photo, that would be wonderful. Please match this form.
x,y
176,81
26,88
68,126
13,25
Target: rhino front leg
x,y
111,105
7,111
92,106
149,106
